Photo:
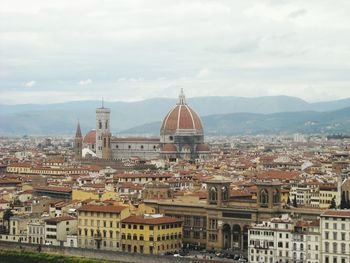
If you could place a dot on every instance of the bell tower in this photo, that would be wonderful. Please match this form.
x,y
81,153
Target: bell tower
x,y
218,191
106,146
103,135
269,194
78,144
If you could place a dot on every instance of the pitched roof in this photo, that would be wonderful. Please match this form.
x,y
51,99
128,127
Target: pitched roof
x,y
149,220
113,209
337,213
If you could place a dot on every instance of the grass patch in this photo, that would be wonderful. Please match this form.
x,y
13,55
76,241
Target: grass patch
x,y
13,256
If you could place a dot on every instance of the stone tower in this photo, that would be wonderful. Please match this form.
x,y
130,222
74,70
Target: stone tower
x,y
269,194
106,145
103,135
78,144
218,190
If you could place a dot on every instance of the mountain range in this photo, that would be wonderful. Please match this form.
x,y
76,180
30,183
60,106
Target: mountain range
x,y
220,115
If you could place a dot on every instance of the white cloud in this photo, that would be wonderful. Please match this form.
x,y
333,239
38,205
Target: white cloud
x,y
140,49
29,84
203,73
85,82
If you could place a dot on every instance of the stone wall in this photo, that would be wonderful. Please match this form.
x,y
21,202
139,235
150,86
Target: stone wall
x,y
96,254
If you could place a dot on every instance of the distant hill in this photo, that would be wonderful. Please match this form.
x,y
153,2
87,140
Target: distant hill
x,y
333,122
61,118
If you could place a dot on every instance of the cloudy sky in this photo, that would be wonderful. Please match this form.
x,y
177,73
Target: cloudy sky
x,y
53,51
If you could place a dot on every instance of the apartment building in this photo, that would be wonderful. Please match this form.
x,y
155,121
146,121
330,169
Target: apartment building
x,y
58,228
284,240
99,226
335,229
151,234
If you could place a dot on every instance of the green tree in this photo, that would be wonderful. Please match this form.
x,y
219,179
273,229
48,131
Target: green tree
x,y
295,204
333,204
288,201
343,203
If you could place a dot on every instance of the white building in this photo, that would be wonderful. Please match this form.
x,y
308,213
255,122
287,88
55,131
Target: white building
x,y
58,228
284,240
335,229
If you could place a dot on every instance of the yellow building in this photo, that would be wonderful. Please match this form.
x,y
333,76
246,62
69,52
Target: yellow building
x,y
99,226
327,193
151,234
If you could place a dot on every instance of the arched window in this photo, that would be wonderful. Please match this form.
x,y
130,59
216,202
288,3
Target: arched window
x,y
264,197
99,124
276,197
213,194
106,125
224,193
104,142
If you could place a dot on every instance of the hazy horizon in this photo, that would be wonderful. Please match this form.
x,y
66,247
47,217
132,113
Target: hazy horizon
x,y
171,98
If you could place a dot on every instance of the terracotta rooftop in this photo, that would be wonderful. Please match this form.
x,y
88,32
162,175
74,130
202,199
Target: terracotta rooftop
x,y
151,220
337,213
102,208
53,188
282,175
59,219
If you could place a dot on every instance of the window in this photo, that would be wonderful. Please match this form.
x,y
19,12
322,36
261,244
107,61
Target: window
x,y
343,248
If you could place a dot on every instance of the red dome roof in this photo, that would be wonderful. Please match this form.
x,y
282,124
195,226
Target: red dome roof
x,y
169,148
90,137
203,147
182,118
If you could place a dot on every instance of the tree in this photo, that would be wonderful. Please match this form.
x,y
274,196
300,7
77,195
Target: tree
x,y
295,204
343,203
288,201
6,217
333,204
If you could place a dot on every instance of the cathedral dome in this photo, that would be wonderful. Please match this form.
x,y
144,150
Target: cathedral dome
x,y
182,120
90,137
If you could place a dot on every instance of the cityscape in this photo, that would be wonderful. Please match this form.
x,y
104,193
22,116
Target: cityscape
x,y
218,151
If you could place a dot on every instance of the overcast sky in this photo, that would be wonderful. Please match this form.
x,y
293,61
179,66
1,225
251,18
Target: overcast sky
x,y
53,51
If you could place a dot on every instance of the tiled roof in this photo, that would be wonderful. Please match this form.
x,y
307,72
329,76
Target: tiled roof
x,y
274,174
102,208
59,219
151,220
337,213
53,188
